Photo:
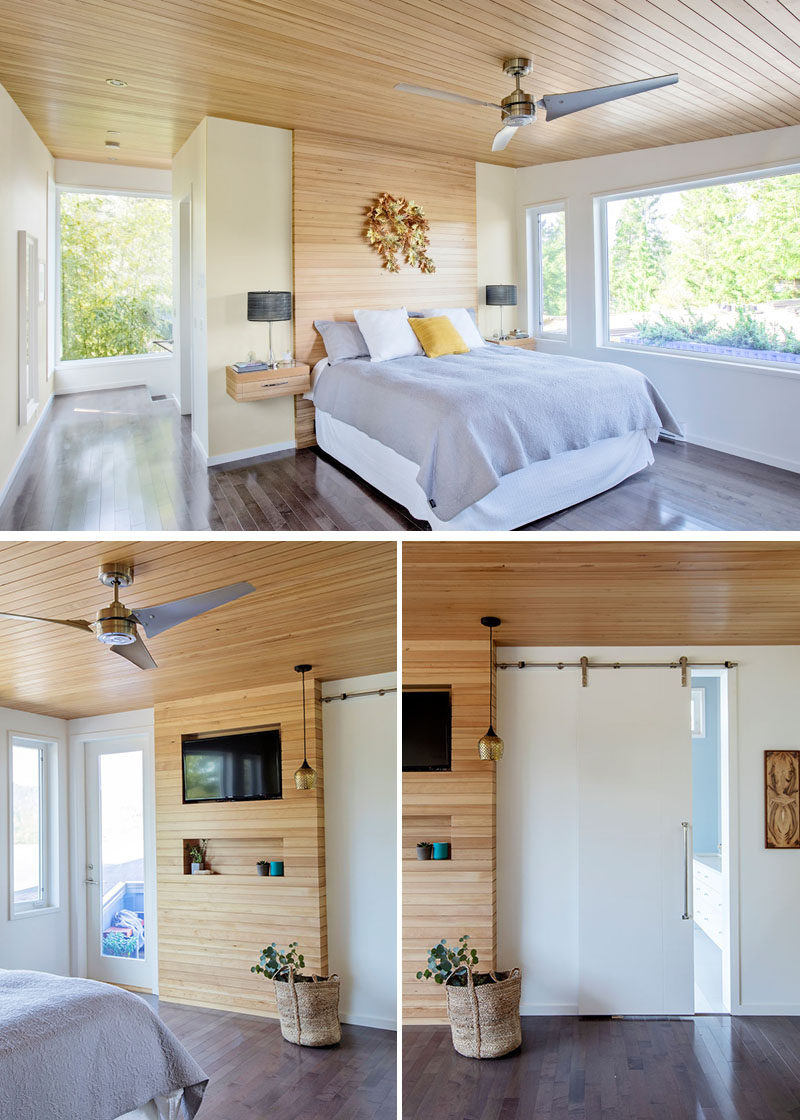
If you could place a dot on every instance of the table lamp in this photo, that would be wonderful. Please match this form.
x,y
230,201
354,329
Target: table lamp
x,y
269,307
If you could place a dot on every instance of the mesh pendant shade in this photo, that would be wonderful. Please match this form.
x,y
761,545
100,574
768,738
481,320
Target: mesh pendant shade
x,y
305,777
269,307
501,295
490,745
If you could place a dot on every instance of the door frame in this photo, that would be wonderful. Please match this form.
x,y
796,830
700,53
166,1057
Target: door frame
x,y
109,728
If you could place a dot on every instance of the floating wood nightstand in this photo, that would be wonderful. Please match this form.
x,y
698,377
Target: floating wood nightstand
x,y
522,343
261,384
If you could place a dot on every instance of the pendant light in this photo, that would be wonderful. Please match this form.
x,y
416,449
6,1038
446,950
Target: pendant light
x,y
305,777
490,747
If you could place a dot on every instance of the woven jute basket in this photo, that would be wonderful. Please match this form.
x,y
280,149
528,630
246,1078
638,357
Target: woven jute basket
x,y
484,1020
309,1011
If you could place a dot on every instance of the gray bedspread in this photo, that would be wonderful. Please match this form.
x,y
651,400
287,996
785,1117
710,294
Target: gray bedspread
x,y
78,1050
468,420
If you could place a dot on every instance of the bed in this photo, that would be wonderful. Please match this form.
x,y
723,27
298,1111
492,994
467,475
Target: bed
x,y
73,1049
488,440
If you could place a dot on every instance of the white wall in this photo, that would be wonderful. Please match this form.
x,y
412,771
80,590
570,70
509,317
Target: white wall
x,y
189,181
745,410
537,822
360,745
249,248
497,241
42,940
159,374
25,166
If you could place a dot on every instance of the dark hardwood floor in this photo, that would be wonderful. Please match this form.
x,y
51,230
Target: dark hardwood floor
x,y
707,1068
255,1075
118,460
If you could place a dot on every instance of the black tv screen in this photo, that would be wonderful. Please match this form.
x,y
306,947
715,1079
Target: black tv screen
x,y
243,766
426,730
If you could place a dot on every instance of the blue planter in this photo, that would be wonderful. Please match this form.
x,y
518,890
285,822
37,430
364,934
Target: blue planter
x,y
276,867
441,851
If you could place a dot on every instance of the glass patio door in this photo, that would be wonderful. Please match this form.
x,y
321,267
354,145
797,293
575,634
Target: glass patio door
x,y
119,878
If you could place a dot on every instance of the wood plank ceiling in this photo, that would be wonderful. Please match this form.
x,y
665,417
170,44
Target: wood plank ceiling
x,y
622,593
331,65
329,604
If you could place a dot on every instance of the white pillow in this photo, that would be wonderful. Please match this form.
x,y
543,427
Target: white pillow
x,y
387,334
463,322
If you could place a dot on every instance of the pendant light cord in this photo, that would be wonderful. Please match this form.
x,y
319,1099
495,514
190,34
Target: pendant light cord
x,y
305,759
491,682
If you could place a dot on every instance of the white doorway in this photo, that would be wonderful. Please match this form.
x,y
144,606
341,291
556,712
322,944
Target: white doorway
x,y
121,943
185,325
635,934
711,846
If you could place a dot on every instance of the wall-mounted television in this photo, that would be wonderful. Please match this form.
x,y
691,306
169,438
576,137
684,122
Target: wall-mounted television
x,y
427,722
232,766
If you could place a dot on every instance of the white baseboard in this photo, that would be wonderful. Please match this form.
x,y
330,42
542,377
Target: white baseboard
x,y
767,1009
15,469
249,453
746,453
199,446
548,1009
368,1021
71,390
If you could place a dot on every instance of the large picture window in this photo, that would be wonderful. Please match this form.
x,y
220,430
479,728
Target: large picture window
x,y
707,270
115,254
31,810
547,256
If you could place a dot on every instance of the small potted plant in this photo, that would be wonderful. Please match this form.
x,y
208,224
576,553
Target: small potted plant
x,y
262,867
424,849
197,854
308,1005
483,1007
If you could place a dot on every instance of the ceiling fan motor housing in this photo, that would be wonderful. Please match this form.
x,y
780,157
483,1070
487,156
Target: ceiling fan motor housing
x,y
115,626
518,108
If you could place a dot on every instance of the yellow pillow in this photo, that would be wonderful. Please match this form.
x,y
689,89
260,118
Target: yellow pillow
x,y
438,336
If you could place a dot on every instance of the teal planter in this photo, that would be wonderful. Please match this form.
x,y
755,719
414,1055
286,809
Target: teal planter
x,y
441,851
276,867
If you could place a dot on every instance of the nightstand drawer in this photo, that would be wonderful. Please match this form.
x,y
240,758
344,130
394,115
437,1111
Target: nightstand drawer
x,y
262,384
520,343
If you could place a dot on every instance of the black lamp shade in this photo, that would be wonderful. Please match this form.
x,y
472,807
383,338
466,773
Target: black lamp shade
x,y
269,307
501,295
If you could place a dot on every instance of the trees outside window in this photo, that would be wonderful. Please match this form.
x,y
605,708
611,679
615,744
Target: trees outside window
x,y
713,268
116,274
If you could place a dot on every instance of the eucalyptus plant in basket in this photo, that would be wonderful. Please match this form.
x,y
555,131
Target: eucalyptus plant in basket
x,y
308,1005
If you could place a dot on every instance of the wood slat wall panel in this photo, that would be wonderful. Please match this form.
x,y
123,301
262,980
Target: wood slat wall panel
x,y
450,897
212,928
328,603
332,70
335,181
604,593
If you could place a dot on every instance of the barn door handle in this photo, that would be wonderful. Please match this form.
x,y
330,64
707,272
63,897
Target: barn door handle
x,y
687,867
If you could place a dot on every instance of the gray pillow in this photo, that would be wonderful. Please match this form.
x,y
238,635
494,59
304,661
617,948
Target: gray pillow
x,y
342,340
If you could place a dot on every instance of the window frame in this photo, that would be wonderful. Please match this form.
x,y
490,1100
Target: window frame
x,y
600,207
535,276
75,363
48,902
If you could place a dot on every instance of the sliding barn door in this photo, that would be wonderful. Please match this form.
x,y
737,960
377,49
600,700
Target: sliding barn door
x,y
634,766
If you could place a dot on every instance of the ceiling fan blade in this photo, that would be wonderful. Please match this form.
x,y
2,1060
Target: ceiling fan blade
x,y
154,620
502,138
76,623
561,104
137,653
443,95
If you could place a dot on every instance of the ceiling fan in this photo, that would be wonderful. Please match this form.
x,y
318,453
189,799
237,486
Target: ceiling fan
x,y
519,108
116,624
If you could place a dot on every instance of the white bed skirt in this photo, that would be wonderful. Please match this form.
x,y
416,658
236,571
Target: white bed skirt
x,y
521,497
161,1108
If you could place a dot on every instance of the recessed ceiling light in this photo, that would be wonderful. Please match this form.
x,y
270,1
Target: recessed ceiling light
x,y
112,143
115,82
110,132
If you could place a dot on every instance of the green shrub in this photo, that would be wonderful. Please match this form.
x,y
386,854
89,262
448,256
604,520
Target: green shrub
x,y
746,332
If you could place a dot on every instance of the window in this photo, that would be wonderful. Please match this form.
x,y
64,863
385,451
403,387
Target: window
x,y
711,270
30,823
115,254
547,282
698,713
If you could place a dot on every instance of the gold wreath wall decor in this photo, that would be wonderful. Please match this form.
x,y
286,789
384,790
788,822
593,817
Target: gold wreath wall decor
x,y
398,228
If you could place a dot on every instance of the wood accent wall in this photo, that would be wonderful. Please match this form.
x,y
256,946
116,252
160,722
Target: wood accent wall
x,y
335,181
212,928
449,897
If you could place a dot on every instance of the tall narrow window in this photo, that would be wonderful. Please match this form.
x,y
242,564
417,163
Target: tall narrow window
x,y
547,255
116,275
30,813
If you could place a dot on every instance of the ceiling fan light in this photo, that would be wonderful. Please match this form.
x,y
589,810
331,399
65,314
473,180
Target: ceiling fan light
x,y
114,638
114,626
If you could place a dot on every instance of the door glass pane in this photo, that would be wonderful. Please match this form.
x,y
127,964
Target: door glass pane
x,y
122,855
27,802
552,246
